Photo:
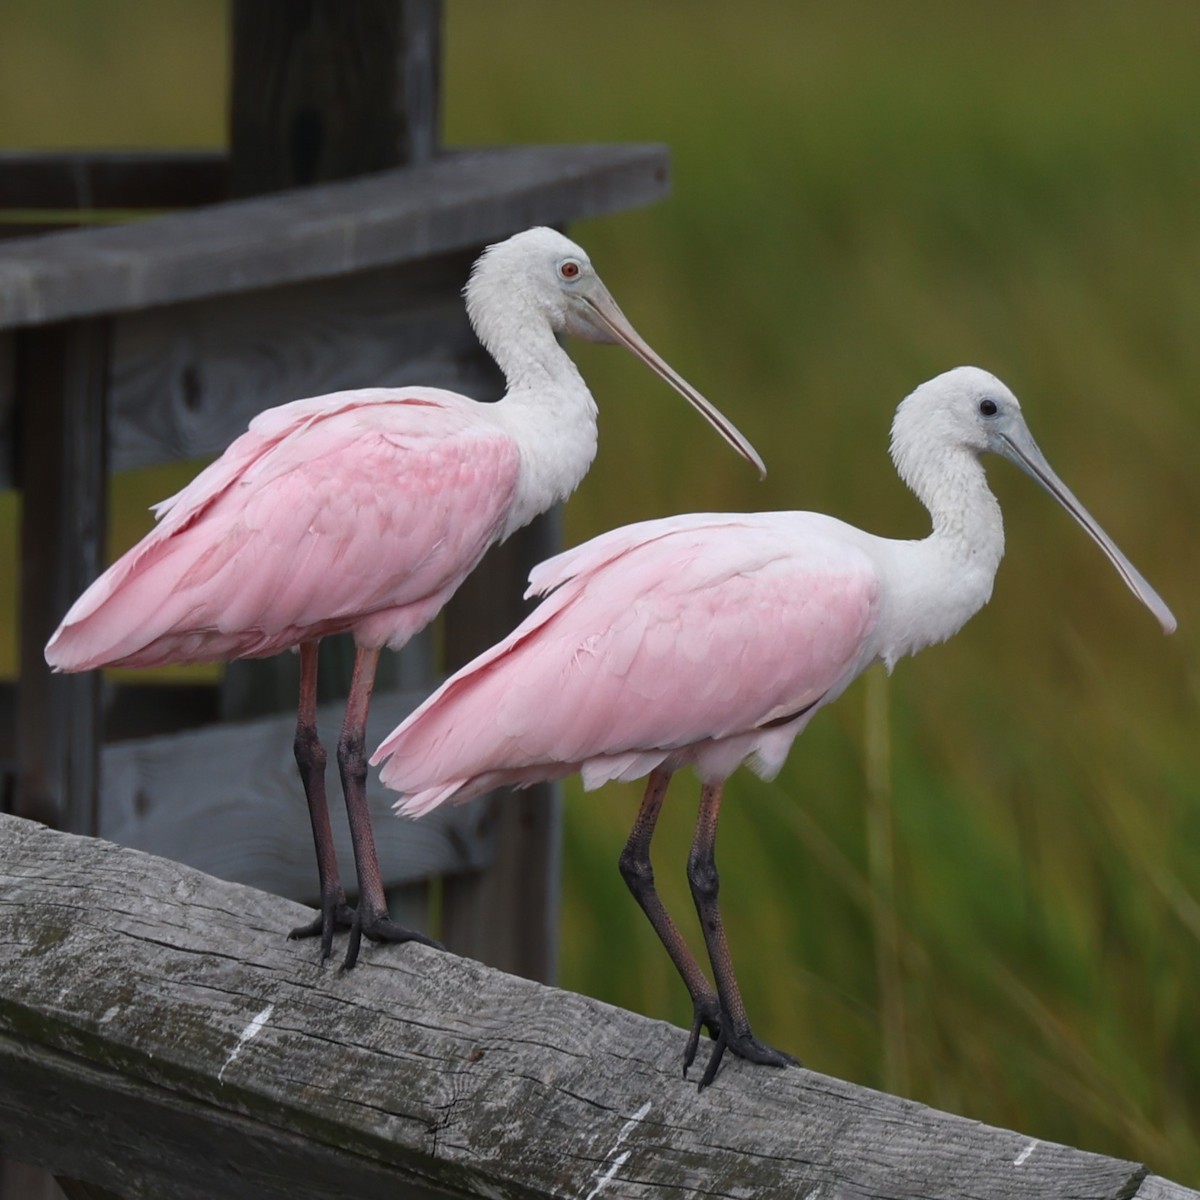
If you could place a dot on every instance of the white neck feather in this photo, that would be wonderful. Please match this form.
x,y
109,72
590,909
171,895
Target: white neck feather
x,y
547,408
936,585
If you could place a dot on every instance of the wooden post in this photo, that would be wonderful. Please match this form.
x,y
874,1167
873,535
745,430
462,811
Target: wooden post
x,y
324,90
61,374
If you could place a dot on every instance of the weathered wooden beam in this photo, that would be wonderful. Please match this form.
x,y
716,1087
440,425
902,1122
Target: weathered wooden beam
x,y
61,371
121,179
227,800
188,378
159,1037
326,90
461,199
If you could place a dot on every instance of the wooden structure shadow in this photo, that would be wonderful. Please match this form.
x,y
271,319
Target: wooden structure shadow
x,y
206,1056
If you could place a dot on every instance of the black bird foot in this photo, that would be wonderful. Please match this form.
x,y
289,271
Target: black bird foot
x,y
744,1045
706,1014
380,928
335,914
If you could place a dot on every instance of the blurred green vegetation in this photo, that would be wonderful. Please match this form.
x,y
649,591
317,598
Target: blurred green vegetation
x,y
976,883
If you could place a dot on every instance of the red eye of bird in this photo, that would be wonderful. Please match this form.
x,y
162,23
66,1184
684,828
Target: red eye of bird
x,y
569,269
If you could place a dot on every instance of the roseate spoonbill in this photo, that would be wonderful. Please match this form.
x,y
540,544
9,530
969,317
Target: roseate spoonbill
x,y
363,511
711,639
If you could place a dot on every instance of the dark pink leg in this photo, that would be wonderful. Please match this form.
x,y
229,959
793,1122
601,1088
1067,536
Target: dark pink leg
x,y
638,873
371,916
735,1032
310,758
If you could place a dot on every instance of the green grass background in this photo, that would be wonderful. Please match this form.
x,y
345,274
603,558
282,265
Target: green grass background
x,y
977,883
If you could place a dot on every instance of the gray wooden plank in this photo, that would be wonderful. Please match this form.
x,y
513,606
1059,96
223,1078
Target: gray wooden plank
x,y
461,199
204,1055
61,371
188,378
227,799
1155,1187
155,1146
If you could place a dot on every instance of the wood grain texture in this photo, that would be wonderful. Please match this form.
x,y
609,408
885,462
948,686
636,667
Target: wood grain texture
x,y
460,199
325,90
188,378
227,800
158,1036
1154,1187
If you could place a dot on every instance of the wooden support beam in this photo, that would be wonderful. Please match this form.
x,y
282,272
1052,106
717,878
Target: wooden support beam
x,y
61,371
159,1036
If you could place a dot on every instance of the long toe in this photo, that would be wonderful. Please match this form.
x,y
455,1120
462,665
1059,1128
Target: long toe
x,y
745,1045
749,1047
381,929
706,1014
333,916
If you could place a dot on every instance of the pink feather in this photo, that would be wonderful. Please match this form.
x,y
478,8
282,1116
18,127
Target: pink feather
x,y
669,642
358,511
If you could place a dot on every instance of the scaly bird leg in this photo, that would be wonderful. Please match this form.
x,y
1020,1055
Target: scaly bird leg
x,y
371,916
310,758
638,873
735,1032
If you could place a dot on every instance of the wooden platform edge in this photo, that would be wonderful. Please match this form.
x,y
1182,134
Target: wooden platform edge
x,y
159,1035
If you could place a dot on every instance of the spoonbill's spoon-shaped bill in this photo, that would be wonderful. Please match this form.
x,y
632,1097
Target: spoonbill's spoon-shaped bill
x,y
362,512
603,321
710,639
1014,442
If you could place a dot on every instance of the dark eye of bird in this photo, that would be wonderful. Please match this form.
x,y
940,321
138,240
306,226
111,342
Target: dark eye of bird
x,y
989,408
569,269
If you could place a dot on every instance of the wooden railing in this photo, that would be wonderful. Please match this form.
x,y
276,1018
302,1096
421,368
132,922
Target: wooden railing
x,y
160,1036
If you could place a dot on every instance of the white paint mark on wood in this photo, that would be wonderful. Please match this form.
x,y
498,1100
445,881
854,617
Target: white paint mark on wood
x,y
621,1159
251,1031
607,1177
1024,1155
